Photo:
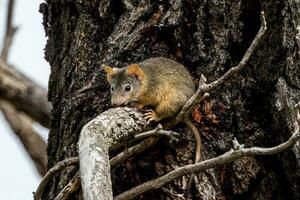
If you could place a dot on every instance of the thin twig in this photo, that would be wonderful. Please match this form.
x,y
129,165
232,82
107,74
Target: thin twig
x,y
55,169
297,122
70,188
10,30
158,131
206,164
140,147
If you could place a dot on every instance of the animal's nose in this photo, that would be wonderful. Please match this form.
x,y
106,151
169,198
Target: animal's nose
x,y
115,103
118,101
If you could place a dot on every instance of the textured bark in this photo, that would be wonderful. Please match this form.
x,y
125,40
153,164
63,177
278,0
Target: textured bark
x,y
208,37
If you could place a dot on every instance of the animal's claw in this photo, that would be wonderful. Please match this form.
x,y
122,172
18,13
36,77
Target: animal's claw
x,y
150,116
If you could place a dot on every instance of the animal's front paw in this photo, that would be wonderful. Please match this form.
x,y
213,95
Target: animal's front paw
x,y
150,116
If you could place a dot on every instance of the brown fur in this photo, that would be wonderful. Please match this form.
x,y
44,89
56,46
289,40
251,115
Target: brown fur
x,y
167,86
109,72
135,70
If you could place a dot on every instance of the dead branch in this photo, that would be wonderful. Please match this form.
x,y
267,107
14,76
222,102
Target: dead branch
x,y
32,141
139,148
72,186
233,71
10,30
157,132
52,171
206,164
204,88
96,138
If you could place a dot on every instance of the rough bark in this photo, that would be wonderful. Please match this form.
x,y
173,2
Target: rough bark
x,y
209,37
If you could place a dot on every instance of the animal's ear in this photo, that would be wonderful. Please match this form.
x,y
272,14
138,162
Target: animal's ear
x,y
109,72
136,71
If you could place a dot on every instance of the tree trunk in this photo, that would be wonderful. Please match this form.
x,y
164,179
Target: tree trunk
x,y
208,37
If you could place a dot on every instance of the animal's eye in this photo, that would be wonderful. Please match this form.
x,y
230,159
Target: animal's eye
x,y
112,88
127,88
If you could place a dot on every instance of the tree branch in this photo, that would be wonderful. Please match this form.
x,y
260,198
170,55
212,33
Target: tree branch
x,y
227,157
234,70
138,148
157,132
96,137
72,186
206,164
24,94
10,30
32,141
56,168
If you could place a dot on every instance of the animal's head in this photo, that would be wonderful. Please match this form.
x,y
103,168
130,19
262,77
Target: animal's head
x,y
125,84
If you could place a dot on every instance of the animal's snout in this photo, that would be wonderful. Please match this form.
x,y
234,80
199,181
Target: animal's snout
x,y
119,101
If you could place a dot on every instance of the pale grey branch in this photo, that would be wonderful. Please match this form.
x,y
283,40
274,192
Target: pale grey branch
x,y
96,137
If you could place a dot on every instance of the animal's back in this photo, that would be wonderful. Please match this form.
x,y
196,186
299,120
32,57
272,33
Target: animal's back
x,y
170,83
166,71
